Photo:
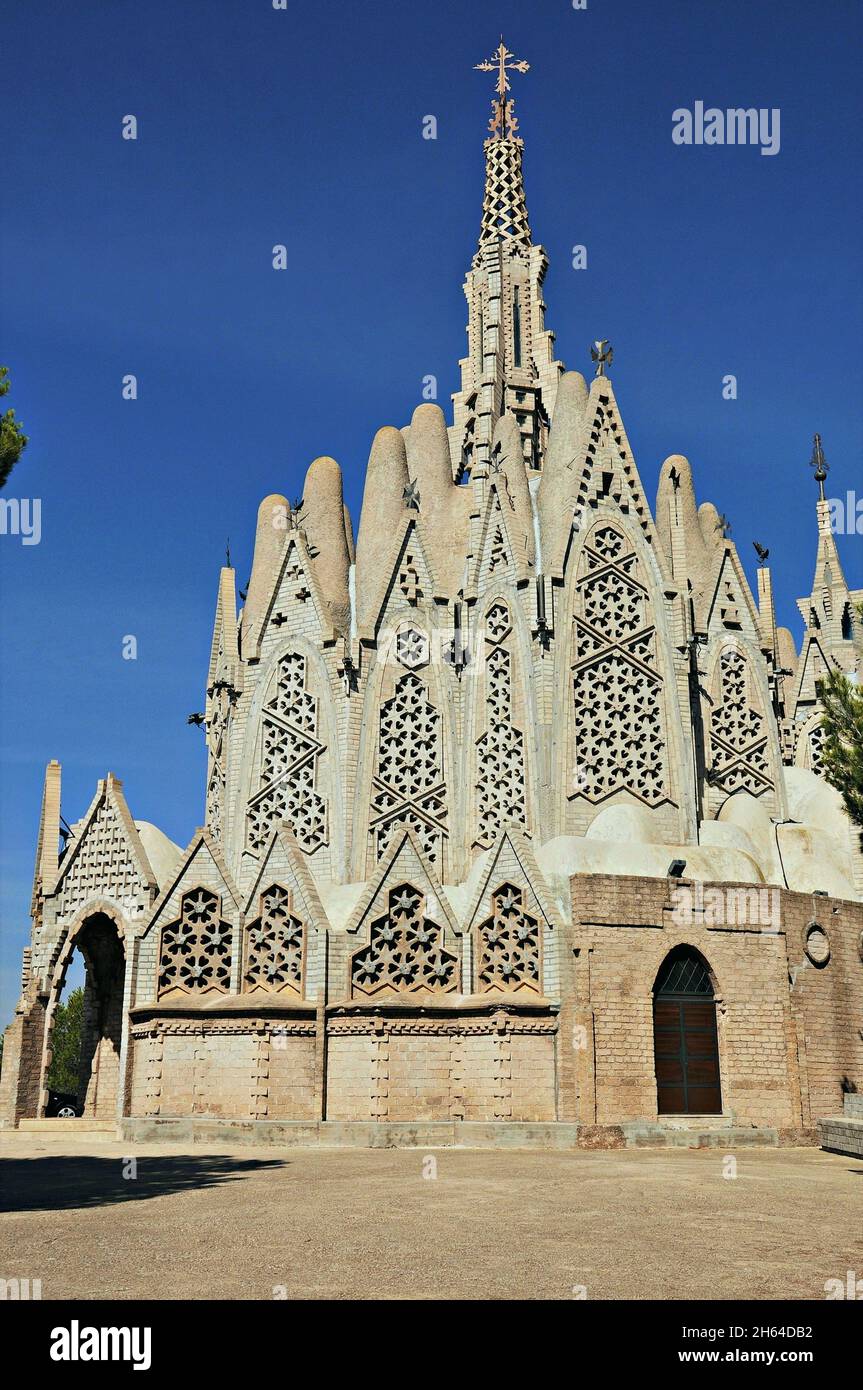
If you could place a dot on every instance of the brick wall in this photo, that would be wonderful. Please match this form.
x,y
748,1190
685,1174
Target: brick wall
x,y
202,1069
784,1047
826,998
439,1070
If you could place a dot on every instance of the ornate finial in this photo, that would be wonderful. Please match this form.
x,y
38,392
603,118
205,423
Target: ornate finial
x,y
602,354
723,526
411,496
228,552
819,463
503,122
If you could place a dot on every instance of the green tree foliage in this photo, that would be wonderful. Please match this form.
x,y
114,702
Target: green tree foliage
x,y
842,749
66,1044
13,440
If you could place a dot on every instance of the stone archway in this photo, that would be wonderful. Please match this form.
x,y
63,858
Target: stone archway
x,y
99,940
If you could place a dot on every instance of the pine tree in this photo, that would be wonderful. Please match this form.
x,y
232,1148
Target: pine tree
x,y
842,749
66,1044
13,440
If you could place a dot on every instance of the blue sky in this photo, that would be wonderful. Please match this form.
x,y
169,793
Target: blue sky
x,y
303,127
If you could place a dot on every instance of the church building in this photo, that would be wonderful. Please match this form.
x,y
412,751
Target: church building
x,y
513,826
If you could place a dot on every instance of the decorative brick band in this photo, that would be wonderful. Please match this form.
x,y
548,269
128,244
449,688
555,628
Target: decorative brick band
x,y
172,1027
444,1027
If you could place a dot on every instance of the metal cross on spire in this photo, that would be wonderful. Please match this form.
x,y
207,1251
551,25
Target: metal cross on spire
x,y
503,122
602,353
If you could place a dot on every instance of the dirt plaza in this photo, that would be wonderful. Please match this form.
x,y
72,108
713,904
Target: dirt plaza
x,y
210,1222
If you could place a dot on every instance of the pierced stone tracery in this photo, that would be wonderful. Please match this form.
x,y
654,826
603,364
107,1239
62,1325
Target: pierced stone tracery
x,y
409,580
275,946
290,751
738,731
619,733
216,744
816,749
195,950
409,787
508,945
405,951
102,864
500,776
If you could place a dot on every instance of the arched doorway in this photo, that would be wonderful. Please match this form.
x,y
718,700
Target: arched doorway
x,y
685,1043
97,1068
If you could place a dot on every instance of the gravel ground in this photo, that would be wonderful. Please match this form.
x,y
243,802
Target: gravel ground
x,y
217,1222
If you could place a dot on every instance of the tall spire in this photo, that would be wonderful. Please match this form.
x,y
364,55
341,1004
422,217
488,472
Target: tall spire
x,y
510,366
828,570
834,634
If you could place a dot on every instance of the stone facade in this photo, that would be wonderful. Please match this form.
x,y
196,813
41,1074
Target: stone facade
x,y
470,784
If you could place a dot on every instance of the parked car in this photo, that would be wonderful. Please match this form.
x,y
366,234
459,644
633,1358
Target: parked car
x,y
62,1106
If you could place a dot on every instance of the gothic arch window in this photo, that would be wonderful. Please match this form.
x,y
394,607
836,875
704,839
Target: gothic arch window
x,y
195,950
288,765
500,750
739,755
405,953
409,787
508,953
619,736
685,1042
275,946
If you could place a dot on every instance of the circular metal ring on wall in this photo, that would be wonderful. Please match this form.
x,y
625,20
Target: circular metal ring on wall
x,y
817,944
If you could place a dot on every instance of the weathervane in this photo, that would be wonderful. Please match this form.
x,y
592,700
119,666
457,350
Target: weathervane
x,y
819,463
503,122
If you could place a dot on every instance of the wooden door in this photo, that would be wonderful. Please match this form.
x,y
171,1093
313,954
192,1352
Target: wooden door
x,y
687,1055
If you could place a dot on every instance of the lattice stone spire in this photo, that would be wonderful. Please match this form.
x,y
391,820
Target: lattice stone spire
x,y
510,367
504,205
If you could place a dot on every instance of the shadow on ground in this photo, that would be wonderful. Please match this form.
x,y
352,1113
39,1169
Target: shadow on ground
x,y
65,1182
